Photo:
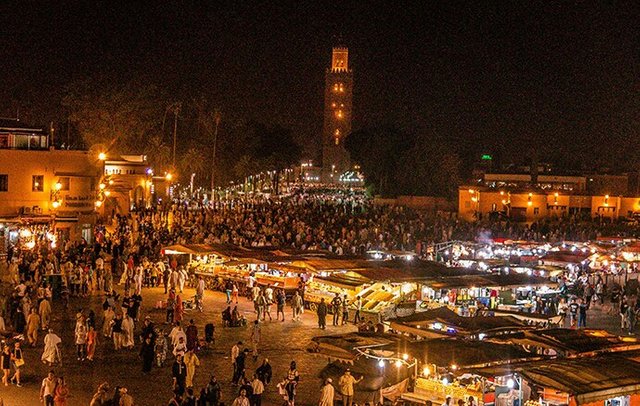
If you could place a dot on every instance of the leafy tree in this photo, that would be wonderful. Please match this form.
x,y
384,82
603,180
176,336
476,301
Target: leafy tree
x,y
379,151
119,116
398,162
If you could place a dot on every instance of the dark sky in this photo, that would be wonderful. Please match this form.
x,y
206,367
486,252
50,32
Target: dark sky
x,y
506,77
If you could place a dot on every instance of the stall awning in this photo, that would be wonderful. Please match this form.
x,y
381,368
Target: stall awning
x,y
588,379
342,347
463,353
195,249
420,322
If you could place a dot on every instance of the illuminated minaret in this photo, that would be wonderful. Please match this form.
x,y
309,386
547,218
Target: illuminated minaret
x,y
337,115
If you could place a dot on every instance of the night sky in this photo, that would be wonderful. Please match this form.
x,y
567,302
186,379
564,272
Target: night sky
x,y
496,76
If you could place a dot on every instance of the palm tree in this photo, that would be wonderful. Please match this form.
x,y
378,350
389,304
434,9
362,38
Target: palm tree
x,y
193,161
158,153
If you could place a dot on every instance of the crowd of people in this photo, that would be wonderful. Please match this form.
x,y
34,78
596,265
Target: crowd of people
x,y
126,258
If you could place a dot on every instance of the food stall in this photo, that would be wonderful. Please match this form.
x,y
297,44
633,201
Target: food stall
x,y
546,382
441,362
466,293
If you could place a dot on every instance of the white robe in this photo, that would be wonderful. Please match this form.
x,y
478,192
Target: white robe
x,y
326,395
127,331
51,353
175,336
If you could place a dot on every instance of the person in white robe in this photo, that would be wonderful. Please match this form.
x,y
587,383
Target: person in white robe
x,y
127,331
326,393
51,353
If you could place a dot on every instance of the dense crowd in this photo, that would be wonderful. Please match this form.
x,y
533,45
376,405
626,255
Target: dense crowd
x,y
128,253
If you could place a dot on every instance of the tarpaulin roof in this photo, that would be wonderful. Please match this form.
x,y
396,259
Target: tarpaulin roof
x,y
446,351
341,347
567,257
588,379
465,324
195,249
635,248
571,342
582,340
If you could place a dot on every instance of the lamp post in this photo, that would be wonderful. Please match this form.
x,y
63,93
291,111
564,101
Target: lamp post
x,y
176,111
216,118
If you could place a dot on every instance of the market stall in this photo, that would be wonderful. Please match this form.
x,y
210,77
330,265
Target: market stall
x,y
441,361
468,293
576,381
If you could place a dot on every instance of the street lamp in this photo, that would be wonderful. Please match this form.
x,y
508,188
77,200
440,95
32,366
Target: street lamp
x,y
102,156
216,118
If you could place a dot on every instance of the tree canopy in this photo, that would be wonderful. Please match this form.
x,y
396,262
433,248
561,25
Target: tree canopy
x,y
399,162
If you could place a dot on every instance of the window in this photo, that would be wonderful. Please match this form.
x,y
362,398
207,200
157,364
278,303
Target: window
x,y
37,183
4,183
64,182
536,210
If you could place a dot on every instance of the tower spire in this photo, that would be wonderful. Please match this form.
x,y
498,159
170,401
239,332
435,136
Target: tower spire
x,y
337,115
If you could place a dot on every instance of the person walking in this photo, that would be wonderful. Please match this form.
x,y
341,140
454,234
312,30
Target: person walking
x,y
179,375
358,306
61,393
212,392
336,308
33,325
48,388
17,360
265,372
117,332
192,361
346,384
582,314
51,353
280,302
200,293
256,333
327,393
81,338
242,399
125,398
257,390
259,304
573,313
5,363
322,314
235,351
192,335
345,310
623,313
296,305
631,319
44,310
147,353
240,366
92,341
228,288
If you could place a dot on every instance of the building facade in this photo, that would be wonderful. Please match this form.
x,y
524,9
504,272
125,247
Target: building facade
x,y
521,197
48,187
338,96
128,183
